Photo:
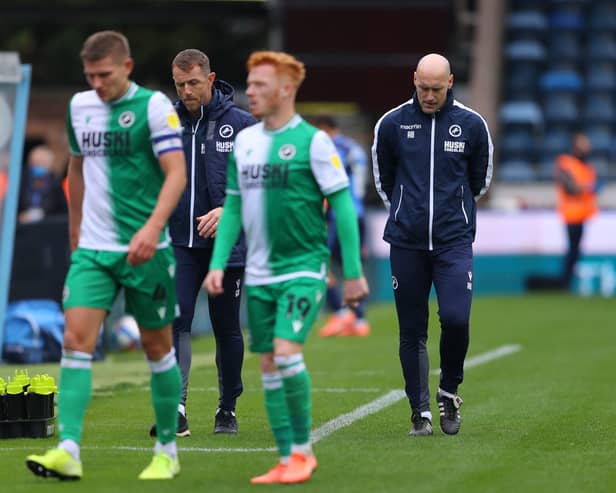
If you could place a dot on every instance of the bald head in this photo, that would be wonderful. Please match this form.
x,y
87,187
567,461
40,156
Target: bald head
x,y
432,79
434,65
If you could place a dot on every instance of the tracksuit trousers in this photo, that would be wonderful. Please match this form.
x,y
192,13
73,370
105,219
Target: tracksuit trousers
x,y
192,265
413,273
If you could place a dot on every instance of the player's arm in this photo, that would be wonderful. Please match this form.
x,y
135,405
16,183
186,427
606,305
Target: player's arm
x,y
143,244
75,195
355,285
228,232
76,185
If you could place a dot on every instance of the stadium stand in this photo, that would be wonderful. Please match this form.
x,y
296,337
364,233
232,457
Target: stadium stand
x,y
560,61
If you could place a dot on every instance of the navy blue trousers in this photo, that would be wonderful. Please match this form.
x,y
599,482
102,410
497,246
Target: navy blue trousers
x,y
191,268
574,234
413,273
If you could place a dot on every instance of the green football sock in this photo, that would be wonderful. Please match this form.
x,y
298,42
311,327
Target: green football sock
x,y
277,412
75,390
166,385
296,382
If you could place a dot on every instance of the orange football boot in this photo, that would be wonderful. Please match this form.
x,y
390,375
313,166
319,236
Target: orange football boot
x,y
300,468
337,324
272,476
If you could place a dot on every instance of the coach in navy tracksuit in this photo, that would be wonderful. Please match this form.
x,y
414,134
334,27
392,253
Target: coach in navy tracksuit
x,y
432,160
210,121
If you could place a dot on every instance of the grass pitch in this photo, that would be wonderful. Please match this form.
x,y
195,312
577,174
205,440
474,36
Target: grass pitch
x,y
537,418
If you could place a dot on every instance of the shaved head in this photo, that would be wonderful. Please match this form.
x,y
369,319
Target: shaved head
x,y
432,79
434,64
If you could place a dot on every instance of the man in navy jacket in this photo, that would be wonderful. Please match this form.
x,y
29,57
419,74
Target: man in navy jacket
x,y
432,160
210,121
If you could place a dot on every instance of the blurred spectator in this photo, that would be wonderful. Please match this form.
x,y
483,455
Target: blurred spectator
x,y
345,321
41,192
577,187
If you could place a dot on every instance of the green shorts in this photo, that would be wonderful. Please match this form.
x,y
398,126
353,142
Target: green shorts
x,y
284,310
95,277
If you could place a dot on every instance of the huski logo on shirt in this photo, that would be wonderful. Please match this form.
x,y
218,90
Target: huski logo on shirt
x,y
105,143
224,146
265,175
287,152
454,146
126,119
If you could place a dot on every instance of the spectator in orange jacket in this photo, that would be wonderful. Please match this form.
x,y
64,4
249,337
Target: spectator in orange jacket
x,y
577,186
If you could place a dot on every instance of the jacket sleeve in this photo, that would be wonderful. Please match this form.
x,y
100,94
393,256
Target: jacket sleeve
x,y
480,165
384,160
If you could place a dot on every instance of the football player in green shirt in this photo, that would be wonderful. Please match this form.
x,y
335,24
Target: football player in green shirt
x,y
280,172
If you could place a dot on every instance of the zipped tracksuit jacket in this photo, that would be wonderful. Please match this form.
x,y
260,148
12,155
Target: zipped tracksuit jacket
x,y
429,170
208,141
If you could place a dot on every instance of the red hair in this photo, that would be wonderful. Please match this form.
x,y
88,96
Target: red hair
x,y
282,62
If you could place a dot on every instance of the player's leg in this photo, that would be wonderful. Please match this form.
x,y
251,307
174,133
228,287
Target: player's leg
x,y
298,308
453,281
225,317
411,281
150,297
261,305
166,385
88,295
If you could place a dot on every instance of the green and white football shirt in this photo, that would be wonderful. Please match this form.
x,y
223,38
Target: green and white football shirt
x,y
282,177
120,143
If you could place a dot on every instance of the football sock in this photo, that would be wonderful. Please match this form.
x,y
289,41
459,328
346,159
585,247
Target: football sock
x,y
427,414
277,412
446,394
166,384
304,449
74,394
71,446
169,448
296,383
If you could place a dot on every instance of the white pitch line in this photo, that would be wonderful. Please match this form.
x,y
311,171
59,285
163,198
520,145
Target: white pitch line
x,y
347,419
335,424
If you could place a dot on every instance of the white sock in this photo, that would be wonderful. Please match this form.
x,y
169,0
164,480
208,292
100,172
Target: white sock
x,y
343,312
71,446
427,414
182,409
171,449
305,449
446,394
